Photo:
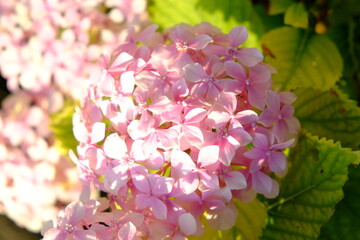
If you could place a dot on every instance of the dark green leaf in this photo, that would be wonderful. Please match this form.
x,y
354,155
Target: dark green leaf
x,y
344,224
310,190
329,114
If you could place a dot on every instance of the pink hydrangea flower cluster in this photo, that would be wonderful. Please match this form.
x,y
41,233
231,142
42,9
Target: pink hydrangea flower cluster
x,y
174,128
47,51
56,43
35,180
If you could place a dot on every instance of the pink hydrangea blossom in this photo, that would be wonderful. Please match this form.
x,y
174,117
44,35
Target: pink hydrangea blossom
x,y
185,133
47,52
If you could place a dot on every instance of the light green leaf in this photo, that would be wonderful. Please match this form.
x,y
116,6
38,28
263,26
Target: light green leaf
x,y
224,15
61,125
296,16
329,114
301,59
344,224
249,224
310,190
279,6
251,219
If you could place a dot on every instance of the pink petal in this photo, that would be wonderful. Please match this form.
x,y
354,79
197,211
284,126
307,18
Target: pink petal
x,y
200,41
80,133
287,111
180,159
158,208
84,235
97,160
273,102
189,183
274,190
74,213
127,232
235,70
208,155
277,162
194,72
55,234
262,183
162,186
187,224
209,180
137,151
217,118
115,147
223,194
193,134
146,33
247,117
169,138
249,56
141,183
256,165
108,83
142,200
97,132
235,180
227,152
121,62
231,86
261,141
195,115
179,34
228,101
255,153
180,88
283,145
287,97
114,180
256,97
155,161
237,36
127,82
222,219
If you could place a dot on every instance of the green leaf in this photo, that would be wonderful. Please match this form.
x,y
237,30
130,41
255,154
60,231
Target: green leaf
x,y
228,14
301,59
329,114
296,16
249,224
344,224
310,190
279,6
61,125
251,219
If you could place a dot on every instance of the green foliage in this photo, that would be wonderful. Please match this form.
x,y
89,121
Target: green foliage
x,y
61,125
228,14
329,114
297,16
344,224
302,59
249,224
279,6
310,190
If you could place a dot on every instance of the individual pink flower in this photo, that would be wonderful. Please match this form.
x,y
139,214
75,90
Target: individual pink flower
x,y
69,225
267,153
152,187
280,114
